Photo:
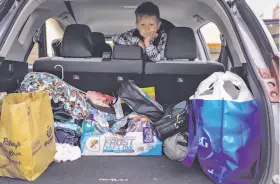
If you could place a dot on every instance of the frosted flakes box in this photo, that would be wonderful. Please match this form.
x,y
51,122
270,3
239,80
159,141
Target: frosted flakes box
x,y
132,144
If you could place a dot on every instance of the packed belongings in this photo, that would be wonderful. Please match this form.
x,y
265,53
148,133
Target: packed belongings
x,y
136,139
59,91
174,121
69,107
74,123
27,144
226,119
176,146
139,101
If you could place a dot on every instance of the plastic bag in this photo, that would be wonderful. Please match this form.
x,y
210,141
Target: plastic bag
x,y
27,143
228,137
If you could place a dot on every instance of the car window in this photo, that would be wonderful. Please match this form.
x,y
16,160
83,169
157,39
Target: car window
x,y
273,27
110,42
269,11
54,31
211,35
34,54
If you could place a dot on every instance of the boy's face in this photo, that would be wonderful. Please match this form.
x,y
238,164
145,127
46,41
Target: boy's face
x,y
147,25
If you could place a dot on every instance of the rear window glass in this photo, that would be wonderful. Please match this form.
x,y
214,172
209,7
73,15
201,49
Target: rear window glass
x,y
269,11
273,27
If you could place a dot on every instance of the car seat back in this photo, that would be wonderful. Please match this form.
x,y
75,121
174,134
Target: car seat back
x,y
88,73
177,78
76,42
100,47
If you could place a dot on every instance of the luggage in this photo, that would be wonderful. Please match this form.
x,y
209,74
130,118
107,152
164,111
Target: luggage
x,y
139,101
27,141
176,147
228,136
173,121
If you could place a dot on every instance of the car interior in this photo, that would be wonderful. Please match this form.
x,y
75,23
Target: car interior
x,y
84,59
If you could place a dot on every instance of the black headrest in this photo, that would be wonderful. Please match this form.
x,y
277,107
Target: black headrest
x,y
101,50
100,47
166,25
76,41
97,37
127,52
181,44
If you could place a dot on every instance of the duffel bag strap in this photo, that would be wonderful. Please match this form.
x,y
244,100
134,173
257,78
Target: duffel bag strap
x,y
192,140
168,112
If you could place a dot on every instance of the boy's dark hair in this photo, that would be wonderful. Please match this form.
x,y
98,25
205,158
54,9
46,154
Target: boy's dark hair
x,y
147,9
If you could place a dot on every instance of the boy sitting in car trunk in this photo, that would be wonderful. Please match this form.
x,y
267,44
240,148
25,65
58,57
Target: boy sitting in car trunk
x,y
147,35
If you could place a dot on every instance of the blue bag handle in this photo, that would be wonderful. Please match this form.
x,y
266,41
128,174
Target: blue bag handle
x,y
193,140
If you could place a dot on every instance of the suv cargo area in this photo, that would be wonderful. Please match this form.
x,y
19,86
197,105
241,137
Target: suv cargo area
x,y
119,170
73,41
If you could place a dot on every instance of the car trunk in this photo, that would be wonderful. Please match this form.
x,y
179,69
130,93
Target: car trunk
x,y
110,169
136,170
107,169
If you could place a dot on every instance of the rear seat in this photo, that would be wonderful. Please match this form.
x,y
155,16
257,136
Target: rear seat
x,y
97,37
177,78
76,42
100,47
87,73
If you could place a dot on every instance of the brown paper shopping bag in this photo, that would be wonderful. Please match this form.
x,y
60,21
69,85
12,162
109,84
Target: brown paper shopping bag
x,y
27,142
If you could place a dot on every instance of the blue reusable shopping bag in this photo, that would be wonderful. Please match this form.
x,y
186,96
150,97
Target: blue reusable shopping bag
x,y
227,138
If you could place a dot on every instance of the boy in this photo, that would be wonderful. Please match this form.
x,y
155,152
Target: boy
x,y
147,34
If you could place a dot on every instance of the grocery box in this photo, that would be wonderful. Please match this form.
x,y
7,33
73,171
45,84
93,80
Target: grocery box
x,y
108,144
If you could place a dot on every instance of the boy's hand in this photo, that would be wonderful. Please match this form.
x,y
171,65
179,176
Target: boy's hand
x,y
150,38
141,44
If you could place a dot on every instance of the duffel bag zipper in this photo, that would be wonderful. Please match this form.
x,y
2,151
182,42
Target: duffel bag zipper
x,y
145,98
170,117
166,124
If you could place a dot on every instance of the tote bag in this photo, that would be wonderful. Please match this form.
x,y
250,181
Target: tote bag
x,y
227,140
27,142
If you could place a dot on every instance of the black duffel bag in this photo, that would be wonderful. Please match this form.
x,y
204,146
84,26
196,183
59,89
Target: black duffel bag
x,y
139,101
174,121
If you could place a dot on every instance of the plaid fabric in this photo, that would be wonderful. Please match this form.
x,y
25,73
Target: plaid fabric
x,y
155,52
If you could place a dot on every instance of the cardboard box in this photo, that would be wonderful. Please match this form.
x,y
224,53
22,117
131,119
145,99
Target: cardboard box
x,y
108,144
